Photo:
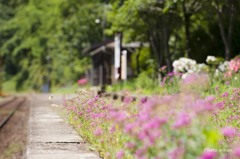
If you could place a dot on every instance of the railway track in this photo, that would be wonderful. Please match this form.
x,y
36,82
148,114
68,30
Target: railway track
x,y
8,108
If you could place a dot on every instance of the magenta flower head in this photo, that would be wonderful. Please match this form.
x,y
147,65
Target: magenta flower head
x,y
234,65
118,116
182,120
220,105
130,145
225,94
127,100
176,153
98,132
202,105
236,152
163,68
143,100
228,131
208,155
120,154
227,82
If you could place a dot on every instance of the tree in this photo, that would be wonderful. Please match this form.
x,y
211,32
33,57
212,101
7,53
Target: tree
x,y
44,40
146,20
226,11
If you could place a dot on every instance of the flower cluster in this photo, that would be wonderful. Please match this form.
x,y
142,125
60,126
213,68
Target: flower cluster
x,y
188,66
153,127
212,60
184,65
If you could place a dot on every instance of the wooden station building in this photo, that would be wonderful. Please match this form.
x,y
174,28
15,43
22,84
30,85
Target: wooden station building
x,y
110,61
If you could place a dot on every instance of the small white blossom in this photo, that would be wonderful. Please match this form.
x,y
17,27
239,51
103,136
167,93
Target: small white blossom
x,y
223,66
184,65
211,59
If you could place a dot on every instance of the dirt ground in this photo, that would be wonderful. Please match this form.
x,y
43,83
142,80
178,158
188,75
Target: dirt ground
x,y
13,136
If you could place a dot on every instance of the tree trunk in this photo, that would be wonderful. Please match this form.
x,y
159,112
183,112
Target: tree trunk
x,y
226,36
187,34
166,45
187,17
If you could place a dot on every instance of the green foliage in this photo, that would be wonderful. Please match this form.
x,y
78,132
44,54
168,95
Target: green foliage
x,y
141,61
44,40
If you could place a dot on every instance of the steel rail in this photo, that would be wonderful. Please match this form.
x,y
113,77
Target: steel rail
x,y
5,103
7,118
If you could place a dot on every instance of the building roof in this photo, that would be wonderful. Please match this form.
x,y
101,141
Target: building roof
x,y
110,44
98,46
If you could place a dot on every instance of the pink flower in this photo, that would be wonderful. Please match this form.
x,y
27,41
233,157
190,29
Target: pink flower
x,y
143,100
127,100
234,65
153,136
142,135
236,152
129,127
225,94
182,120
98,132
208,155
202,105
176,153
140,152
227,82
130,145
118,116
154,123
113,129
228,131
120,154
82,81
163,68
220,105
190,78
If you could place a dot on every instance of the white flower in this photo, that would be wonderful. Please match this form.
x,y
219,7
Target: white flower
x,y
183,65
223,66
211,59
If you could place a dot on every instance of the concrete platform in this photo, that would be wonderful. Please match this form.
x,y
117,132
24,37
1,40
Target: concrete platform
x,y
50,137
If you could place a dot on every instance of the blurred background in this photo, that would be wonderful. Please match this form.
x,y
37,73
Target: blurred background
x,y
48,45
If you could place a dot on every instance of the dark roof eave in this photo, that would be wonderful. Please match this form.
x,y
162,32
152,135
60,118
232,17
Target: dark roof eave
x,y
97,46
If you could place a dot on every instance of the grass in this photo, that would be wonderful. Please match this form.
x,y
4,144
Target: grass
x,y
13,149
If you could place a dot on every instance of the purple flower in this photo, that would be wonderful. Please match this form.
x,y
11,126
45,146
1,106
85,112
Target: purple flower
x,y
182,120
143,100
155,134
225,94
227,82
206,104
129,127
236,152
176,153
220,105
98,132
140,152
127,100
170,74
208,155
120,154
118,116
130,145
154,123
163,68
228,131
113,129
